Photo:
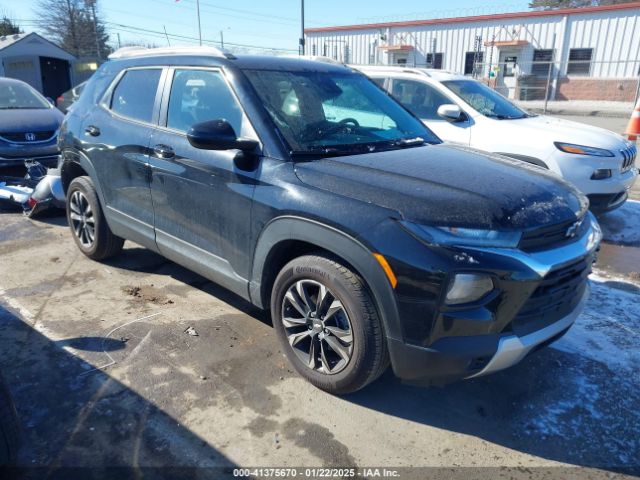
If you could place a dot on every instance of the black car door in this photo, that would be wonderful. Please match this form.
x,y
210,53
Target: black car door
x,y
202,201
116,136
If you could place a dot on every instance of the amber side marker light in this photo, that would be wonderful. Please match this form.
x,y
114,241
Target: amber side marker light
x,y
387,269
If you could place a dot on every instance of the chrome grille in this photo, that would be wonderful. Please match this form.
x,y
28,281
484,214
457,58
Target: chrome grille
x,y
628,158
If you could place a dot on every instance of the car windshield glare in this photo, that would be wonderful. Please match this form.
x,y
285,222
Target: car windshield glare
x,y
485,100
17,96
336,113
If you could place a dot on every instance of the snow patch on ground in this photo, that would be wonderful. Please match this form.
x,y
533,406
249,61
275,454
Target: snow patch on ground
x,y
622,226
608,331
595,389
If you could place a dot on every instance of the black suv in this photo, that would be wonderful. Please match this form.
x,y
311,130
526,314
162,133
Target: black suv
x,y
304,188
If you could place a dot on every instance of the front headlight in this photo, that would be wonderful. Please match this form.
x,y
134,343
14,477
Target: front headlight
x,y
582,150
464,236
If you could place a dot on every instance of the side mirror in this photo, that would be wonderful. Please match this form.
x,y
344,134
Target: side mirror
x,y
51,101
218,135
450,112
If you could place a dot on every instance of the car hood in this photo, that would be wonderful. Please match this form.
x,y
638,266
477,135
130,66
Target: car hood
x,y
450,185
560,130
32,120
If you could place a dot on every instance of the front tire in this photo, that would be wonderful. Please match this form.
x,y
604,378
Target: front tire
x,y
86,220
328,325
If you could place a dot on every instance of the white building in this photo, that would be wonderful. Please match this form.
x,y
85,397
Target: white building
x,y
595,50
35,60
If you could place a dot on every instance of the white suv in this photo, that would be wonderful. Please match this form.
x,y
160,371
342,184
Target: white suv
x,y
464,111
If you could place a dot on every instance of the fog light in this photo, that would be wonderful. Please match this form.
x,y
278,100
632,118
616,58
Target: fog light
x,y
468,287
601,174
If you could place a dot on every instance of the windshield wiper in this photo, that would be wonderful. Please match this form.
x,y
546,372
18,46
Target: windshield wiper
x,y
319,152
503,117
358,148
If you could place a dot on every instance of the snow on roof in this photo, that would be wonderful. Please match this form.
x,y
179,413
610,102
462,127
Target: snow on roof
x,y
8,40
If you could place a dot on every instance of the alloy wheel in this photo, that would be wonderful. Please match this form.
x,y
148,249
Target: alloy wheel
x,y
82,219
317,326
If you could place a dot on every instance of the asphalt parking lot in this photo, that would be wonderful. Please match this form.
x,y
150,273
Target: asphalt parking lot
x,y
139,363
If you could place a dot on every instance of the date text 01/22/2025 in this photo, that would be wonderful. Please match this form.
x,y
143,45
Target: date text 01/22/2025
x,y
316,472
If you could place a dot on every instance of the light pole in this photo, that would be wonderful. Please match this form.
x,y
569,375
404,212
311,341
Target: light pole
x,y
199,25
302,41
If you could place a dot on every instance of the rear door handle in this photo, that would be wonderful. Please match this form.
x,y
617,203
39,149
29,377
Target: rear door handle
x,y
164,151
92,130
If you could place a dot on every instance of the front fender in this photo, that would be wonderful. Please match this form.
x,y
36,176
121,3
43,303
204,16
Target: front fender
x,y
328,238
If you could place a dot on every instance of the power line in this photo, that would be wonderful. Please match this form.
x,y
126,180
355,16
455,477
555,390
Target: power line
x,y
161,34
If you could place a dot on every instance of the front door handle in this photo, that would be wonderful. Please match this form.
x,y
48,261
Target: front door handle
x,y
164,151
92,130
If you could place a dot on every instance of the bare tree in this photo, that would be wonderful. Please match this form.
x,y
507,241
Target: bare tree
x,y
74,25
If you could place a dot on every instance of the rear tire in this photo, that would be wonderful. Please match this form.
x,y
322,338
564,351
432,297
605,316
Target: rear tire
x,y
87,223
9,427
337,343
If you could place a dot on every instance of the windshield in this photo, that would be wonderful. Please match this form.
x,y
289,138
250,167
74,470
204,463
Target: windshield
x,y
18,96
486,101
336,113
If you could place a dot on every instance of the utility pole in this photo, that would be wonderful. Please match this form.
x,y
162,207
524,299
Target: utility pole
x,y
199,25
166,35
221,39
119,44
302,41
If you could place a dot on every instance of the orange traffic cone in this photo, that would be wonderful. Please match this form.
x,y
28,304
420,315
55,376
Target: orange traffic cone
x,y
633,129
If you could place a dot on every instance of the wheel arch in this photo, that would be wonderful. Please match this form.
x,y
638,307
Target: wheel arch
x,y
285,238
76,164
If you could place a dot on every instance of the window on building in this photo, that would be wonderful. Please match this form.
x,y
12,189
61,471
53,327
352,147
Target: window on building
x,y
579,61
419,98
470,57
314,50
541,62
135,94
434,60
199,96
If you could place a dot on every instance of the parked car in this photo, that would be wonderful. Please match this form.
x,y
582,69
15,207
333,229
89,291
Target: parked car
x,y
9,427
68,98
462,110
305,189
29,125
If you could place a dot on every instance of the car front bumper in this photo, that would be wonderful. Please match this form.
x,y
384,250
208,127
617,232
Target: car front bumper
x,y
578,169
491,336
512,348
12,154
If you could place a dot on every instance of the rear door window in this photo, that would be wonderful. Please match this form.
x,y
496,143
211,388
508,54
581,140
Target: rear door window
x,y
134,96
419,98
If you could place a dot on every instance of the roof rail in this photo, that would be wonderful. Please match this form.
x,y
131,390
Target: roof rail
x,y
131,52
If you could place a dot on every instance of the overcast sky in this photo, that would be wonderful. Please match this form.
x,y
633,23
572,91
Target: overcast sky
x,y
266,23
